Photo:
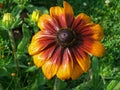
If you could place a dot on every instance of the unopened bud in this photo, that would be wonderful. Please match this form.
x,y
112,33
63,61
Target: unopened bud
x,y
107,2
3,56
7,20
13,74
29,63
35,15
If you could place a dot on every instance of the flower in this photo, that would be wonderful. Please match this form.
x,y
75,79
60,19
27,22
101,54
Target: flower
x,y
65,43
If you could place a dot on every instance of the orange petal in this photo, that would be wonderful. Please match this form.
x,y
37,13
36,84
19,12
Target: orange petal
x,y
65,69
82,58
93,31
51,66
97,32
39,44
81,20
69,14
43,56
93,47
97,49
48,23
77,71
58,13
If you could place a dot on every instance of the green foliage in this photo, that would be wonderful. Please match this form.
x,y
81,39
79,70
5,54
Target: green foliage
x,y
104,73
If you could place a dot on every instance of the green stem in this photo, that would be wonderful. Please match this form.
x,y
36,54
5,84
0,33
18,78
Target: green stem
x,y
95,73
56,84
13,45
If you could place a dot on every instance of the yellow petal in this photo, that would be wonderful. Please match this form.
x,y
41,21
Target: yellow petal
x,y
38,61
50,68
52,64
58,13
65,69
43,56
36,36
82,59
84,63
77,71
34,47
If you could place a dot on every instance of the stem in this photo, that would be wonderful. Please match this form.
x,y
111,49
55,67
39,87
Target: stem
x,y
95,73
56,84
13,49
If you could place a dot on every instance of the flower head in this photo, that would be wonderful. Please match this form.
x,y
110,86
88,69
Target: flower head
x,y
65,43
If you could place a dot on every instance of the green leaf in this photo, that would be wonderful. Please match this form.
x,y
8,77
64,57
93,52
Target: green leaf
x,y
112,85
84,86
4,72
117,87
115,83
95,73
23,45
42,9
31,69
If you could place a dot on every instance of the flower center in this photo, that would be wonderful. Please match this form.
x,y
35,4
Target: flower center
x,y
66,37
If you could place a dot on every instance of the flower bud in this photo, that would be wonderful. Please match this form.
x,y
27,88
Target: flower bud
x,y
29,63
84,4
7,20
35,15
13,74
107,2
3,56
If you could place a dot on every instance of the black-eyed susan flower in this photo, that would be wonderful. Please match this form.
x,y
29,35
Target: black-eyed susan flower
x,y
65,43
